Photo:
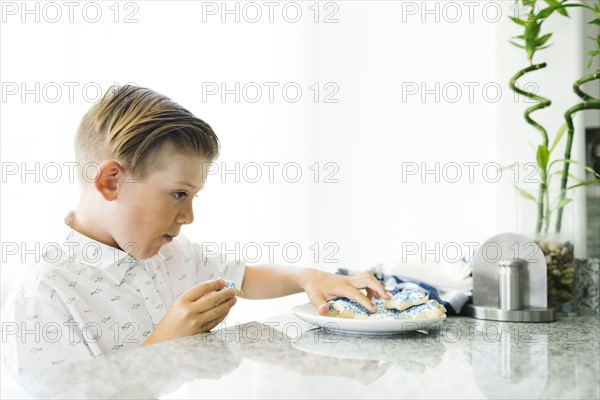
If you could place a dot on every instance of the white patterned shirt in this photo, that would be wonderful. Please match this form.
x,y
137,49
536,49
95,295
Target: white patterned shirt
x,y
84,299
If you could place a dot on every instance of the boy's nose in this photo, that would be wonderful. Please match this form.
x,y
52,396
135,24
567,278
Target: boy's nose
x,y
186,216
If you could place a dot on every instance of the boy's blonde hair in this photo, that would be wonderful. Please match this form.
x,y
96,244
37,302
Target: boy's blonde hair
x,y
130,124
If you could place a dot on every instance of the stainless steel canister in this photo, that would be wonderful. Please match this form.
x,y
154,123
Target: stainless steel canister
x,y
510,285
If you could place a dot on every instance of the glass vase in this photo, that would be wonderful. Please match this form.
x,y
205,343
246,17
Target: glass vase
x,y
557,247
560,260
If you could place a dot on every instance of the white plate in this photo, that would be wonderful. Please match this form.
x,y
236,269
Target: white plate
x,y
308,313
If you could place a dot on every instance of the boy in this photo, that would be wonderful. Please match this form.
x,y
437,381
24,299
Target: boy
x,y
120,276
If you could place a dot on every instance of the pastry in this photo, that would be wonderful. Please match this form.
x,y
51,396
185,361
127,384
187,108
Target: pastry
x,y
332,312
429,310
405,299
231,284
346,308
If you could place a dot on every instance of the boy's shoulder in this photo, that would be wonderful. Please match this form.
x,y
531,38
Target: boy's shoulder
x,y
37,278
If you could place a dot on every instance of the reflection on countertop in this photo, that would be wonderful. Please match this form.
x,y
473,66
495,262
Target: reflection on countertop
x,y
411,352
459,358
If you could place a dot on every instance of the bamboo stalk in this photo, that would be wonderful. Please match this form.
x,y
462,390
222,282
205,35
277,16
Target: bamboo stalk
x,y
589,103
542,102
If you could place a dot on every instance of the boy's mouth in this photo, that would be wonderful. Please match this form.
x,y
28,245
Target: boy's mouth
x,y
168,237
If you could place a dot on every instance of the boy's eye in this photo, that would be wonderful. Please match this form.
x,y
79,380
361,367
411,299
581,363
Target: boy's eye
x,y
179,195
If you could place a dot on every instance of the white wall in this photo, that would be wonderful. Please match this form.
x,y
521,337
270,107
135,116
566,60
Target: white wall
x,y
372,54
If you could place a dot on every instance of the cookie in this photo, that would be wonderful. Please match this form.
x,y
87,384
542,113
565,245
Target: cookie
x,y
350,309
429,310
406,299
346,308
231,284
389,314
332,312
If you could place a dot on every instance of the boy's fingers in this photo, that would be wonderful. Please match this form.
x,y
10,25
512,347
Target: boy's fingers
x,y
210,325
223,312
360,298
372,294
369,282
318,302
213,300
200,290
323,309
378,288
217,314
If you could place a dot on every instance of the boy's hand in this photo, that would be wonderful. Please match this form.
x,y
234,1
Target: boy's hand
x,y
197,310
321,287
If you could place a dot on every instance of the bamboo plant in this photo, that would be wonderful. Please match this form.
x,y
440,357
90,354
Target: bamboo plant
x,y
532,40
588,103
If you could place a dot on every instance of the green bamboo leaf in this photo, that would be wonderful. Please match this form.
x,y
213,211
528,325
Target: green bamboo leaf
x,y
517,20
584,183
571,176
542,157
525,194
588,169
541,41
563,203
561,9
559,136
595,21
576,179
528,3
518,45
546,12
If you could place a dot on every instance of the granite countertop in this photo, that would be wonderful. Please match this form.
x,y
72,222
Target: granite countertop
x,y
282,357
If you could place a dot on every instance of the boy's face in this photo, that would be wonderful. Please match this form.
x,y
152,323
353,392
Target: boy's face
x,y
149,213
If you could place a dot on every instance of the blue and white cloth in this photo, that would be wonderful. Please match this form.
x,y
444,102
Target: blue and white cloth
x,y
451,298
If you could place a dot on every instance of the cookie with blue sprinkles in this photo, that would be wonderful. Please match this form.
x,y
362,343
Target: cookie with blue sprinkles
x,y
350,309
429,310
405,299
231,285
389,314
332,312
346,308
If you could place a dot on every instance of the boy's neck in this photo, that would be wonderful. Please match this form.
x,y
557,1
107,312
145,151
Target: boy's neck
x,y
86,224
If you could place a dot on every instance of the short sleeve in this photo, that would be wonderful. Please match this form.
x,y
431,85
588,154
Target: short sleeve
x,y
211,265
37,335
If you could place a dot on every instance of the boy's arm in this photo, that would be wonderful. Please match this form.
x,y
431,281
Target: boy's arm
x,y
264,282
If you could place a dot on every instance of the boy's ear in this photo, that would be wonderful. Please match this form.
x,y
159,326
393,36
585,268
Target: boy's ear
x,y
107,179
